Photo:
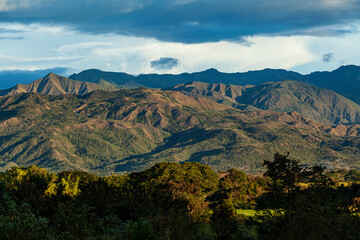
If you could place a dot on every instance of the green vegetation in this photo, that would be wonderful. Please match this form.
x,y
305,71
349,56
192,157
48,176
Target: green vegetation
x,y
167,201
180,201
246,212
131,130
310,212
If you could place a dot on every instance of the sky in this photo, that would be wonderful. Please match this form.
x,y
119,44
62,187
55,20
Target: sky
x,y
174,36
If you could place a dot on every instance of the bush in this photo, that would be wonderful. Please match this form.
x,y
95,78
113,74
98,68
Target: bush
x,y
140,230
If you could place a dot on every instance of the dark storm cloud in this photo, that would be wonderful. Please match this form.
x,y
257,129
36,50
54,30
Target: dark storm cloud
x,y
164,63
328,57
189,21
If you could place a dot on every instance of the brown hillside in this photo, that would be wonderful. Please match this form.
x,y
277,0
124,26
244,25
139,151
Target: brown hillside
x,y
54,84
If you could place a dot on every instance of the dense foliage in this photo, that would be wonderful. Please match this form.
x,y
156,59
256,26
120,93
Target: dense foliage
x,y
181,201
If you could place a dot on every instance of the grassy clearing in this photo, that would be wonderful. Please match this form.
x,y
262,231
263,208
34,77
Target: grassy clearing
x,y
253,213
246,212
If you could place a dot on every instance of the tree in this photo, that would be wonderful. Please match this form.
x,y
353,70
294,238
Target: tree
x,y
175,186
316,175
284,173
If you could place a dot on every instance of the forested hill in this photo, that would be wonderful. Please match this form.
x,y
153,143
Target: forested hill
x,y
130,130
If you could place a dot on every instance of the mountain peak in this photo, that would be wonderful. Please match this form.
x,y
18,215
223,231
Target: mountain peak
x,y
53,84
212,70
52,76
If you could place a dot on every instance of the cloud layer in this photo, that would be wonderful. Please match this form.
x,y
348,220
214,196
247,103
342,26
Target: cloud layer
x,y
45,46
188,21
162,36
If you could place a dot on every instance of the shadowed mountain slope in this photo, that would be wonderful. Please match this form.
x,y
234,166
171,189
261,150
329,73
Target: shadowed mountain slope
x,y
344,80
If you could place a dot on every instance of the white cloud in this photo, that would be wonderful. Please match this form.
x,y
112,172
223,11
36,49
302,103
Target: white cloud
x,y
34,28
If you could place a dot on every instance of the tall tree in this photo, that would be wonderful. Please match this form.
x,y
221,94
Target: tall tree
x,y
284,172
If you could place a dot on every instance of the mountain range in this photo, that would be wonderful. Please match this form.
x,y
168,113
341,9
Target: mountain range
x,y
318,104
60,123
130,130
344,80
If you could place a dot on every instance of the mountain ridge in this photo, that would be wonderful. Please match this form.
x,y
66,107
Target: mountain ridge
x,y
312,102
53,84
343,80
315,103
